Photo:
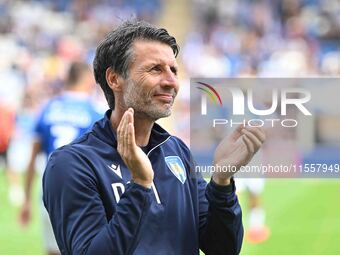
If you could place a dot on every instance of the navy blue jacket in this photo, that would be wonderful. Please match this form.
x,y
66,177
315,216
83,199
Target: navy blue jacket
x,y
95,209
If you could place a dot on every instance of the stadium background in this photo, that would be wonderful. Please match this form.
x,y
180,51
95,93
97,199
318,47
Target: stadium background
x,y
288,38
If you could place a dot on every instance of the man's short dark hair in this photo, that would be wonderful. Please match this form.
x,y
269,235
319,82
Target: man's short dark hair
x,y
115,51
75,72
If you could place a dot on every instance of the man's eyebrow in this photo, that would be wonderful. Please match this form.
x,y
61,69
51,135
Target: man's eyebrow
x,y
155,63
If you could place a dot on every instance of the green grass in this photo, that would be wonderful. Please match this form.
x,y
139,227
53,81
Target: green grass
x,y
304,218
14,240
303,215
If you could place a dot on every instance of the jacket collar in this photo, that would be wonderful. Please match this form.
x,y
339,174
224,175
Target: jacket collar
x,y
105,132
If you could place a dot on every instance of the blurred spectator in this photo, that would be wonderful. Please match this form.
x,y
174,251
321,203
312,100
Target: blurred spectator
x,y
7,126
63,119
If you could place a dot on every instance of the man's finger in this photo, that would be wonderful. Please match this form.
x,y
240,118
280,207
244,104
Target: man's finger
x,y
258,132
248,143
119,128
132,115
126,137
236,134
121,135
126,148
127,134
256,141
131,138
131,127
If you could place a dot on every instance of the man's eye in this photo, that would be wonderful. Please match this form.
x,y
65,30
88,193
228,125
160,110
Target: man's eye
x,y
156,69
174,70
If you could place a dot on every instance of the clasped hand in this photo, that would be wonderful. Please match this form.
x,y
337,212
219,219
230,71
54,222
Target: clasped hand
x,y
237,150
134,158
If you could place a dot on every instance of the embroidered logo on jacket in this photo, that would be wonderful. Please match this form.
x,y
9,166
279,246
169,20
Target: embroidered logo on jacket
x,y
176,166
116,170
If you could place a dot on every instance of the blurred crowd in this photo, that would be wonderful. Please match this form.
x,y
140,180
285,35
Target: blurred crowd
x,y
38,41
277,38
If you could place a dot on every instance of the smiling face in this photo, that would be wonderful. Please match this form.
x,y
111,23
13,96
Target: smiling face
x,y
152,82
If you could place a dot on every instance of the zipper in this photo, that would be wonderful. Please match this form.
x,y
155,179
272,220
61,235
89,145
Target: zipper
x,y
153,186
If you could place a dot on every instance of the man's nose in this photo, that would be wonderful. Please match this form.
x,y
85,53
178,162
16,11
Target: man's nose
x,y
170,79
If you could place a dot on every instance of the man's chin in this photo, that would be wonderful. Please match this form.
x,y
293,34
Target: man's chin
x,y
153,114
160,114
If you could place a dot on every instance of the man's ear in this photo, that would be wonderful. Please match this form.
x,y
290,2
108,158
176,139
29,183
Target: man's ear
x,y
113,80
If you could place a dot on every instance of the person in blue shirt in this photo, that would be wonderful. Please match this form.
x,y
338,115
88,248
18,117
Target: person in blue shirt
x,y
128,186
62,119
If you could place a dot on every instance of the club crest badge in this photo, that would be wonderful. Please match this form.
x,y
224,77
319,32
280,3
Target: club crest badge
x,y
176,166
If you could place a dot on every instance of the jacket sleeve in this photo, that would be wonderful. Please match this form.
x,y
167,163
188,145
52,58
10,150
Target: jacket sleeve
x,y
71,196
220,219
220,215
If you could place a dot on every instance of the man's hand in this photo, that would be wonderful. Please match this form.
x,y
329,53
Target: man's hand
x,y
237,150
133,156
25,214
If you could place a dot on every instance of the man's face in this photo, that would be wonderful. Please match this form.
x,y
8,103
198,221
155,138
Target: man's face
x,y
152,82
